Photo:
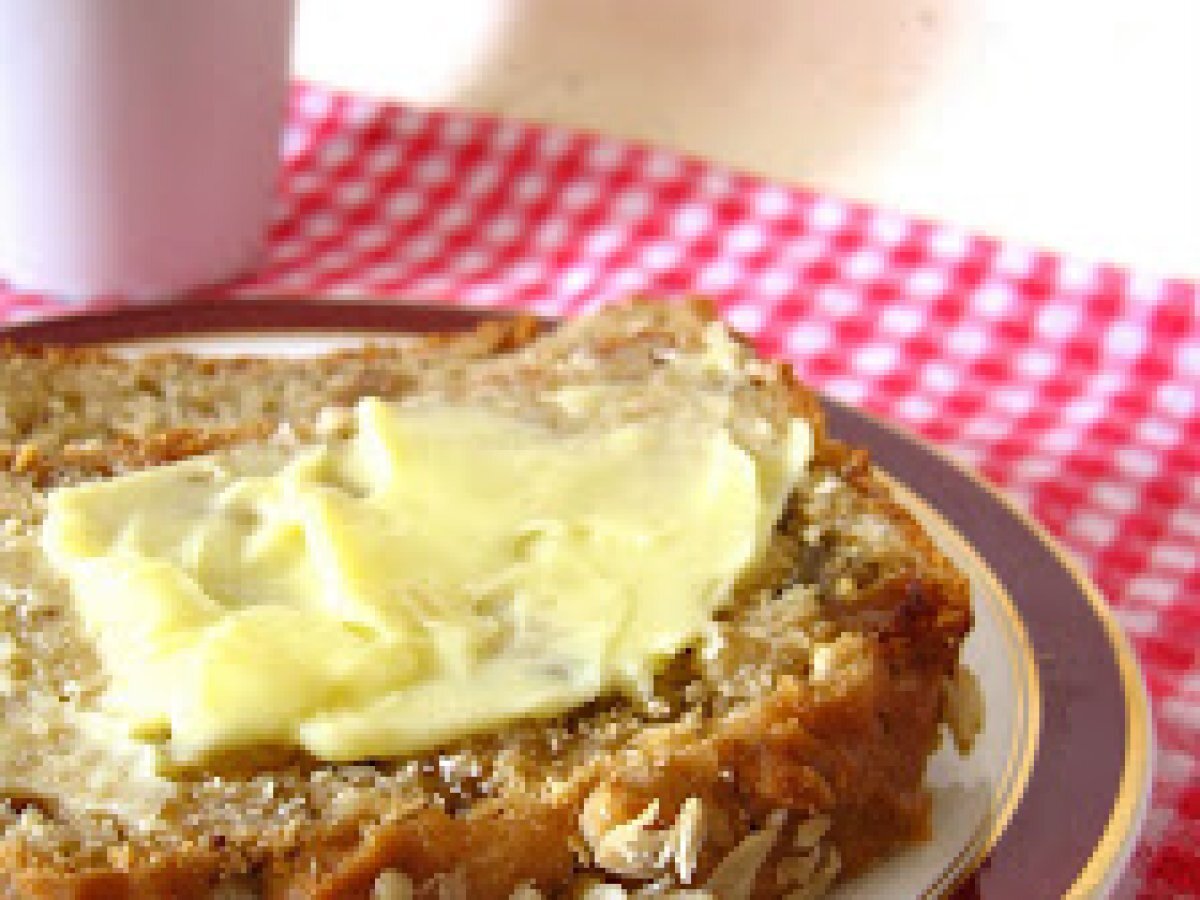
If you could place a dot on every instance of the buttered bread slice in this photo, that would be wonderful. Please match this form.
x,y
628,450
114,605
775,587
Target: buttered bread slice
x,y
506,614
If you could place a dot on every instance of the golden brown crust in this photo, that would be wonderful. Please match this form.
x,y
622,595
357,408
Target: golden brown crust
x,y
853,747
856,753
191,874
51,397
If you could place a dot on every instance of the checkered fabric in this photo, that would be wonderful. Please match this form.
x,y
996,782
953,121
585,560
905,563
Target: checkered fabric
x,y
1074,386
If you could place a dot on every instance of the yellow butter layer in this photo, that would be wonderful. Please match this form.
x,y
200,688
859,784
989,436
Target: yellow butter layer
x,y
442,571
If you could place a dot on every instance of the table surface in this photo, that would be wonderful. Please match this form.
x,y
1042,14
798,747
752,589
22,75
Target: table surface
x,y
1008,117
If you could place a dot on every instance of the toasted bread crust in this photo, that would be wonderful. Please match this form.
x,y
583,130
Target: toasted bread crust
x,y
852,746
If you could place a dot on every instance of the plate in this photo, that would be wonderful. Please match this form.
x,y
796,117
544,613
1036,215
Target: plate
x,y
1050,801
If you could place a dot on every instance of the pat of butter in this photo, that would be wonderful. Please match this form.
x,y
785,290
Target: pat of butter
x,y
441,571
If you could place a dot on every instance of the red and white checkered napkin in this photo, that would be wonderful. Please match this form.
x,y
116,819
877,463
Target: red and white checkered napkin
x,y
1074,386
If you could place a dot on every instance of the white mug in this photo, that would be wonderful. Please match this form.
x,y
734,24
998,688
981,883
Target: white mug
x,y
138,140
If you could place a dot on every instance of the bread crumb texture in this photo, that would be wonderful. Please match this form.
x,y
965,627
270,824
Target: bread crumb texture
x,y
784,752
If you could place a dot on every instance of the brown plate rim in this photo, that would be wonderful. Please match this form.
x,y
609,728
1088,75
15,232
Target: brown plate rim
x,y
1075,827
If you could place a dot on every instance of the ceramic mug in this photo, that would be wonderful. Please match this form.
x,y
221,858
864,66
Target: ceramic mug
x,y
138,140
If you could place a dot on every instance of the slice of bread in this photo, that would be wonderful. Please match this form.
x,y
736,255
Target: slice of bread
x,y
790,753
